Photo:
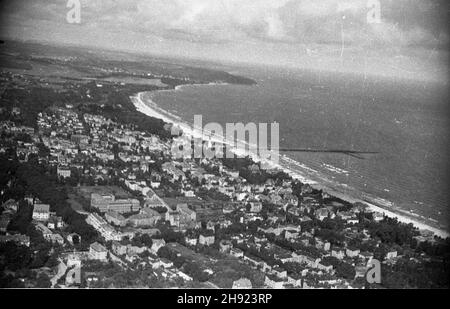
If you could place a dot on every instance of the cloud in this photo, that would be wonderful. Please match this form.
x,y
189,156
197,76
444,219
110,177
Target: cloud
x,y
221,21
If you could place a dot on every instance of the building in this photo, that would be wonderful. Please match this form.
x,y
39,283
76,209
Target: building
x,y
321,213
391,255
17,238
63,171
236,252
191,240
4,222
118,248
173,217
152,200
366,256
225,246
176,174
378,216
41,212
338,253
73,260
157,244
186,214
242,283
55,223
295,280
274,282
142,220
151,213
352,252
206,239
45,231
255,206
108,202
106,230
56,238
98,252
115,218
79,139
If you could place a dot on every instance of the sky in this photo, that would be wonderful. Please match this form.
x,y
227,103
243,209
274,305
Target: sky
x,y
411,38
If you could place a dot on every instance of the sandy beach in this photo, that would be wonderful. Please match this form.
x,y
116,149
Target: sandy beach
x,y
151,109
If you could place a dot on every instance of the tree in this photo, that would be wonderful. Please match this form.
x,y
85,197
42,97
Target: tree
x,y
43,281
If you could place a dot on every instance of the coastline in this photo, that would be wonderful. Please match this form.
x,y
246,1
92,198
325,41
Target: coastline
x,y
150,108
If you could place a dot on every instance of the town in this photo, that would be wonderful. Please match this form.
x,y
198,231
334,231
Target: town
x,y
93,197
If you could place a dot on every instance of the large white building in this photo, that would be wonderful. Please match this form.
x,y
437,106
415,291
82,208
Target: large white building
x,y
108,202
41,212
106,230
98,252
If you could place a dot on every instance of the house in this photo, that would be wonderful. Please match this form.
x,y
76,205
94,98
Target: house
x,y
352,252
106,202
236,252
4,222
391,255
176,174
353,221
73,260
242,283
360,271
291,234
115,218
338,253
191,240
63,171
106,230
163,262
295,279
366,256
281,273
46,233
55,222
173,217
322,245
345,215
225,246
206,239
378,216
17,238
118,248
186,214
143,219
133,250
255,206
98,252
56,238
157,244
41,212
325,267
321,213
152,200
274,282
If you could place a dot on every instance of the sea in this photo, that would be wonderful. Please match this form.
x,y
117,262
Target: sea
x,y
405,122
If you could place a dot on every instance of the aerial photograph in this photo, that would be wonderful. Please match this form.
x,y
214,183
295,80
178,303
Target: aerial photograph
x,y
224,144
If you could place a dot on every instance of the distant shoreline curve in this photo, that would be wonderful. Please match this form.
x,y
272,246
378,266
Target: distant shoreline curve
x,y
150,108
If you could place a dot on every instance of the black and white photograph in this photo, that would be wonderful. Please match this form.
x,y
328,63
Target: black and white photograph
x,y
224,145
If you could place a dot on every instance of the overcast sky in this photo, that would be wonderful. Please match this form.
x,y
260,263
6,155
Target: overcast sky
x,y
326,34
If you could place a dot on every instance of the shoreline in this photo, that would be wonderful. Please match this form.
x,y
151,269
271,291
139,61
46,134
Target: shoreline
x,y
153,110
